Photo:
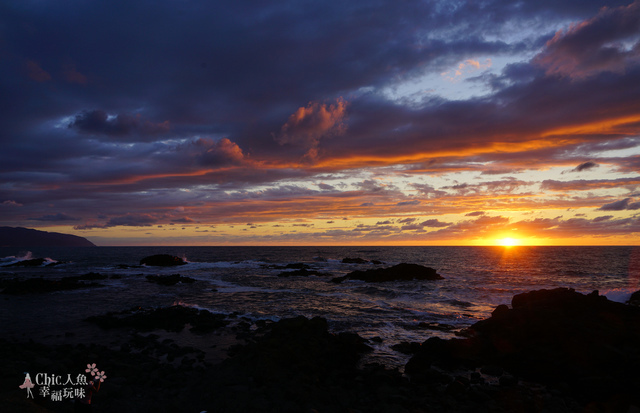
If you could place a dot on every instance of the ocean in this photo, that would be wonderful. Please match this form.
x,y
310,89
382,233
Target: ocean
x,y
244,282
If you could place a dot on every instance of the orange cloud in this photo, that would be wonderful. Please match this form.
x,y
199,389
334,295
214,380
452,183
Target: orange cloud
x,y
36,72
309,124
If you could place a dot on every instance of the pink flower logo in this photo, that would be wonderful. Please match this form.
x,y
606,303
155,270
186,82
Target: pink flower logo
x,y
91,369
100,376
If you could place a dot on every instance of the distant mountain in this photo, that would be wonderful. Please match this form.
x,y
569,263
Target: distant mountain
x,y
26,237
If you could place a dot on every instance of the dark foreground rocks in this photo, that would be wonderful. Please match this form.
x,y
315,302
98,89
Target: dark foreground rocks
x,y
553,351
35,262
582,345
396,273
634,299
172,318
162,260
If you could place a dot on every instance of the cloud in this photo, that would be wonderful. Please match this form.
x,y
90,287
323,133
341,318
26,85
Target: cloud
x,y
11,203
72,75
311,123
623,204
128,220
54,218
99,122
406,203
585,166
184,220
218,152
36,72
608,42
434,223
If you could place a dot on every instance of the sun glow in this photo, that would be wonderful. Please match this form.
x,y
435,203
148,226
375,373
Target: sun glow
x,y
508,242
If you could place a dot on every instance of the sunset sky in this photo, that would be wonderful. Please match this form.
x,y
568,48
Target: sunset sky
x,y
178,122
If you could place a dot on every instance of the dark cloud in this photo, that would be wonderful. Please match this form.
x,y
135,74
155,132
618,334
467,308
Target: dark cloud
x,y
55,218
585,166
621,205
98,122
607,42
434,223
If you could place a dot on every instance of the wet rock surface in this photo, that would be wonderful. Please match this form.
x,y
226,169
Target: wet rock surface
x,y
396,273
583,345
172,318
162,260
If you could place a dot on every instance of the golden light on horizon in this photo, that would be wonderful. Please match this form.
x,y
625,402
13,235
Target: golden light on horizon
x,y
508,242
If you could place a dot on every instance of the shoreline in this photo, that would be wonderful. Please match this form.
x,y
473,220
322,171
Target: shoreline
x,y
298,365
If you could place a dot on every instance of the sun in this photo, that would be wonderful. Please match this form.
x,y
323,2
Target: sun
x,y
508,242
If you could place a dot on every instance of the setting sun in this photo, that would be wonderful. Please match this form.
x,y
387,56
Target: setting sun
x,y
508,242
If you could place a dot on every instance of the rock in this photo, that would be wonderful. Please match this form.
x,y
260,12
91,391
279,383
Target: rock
x,y
171,318
507,381
398,272
172,279
162,260
35,262
500,311
552,337
634,299
406,347
495,371
354,261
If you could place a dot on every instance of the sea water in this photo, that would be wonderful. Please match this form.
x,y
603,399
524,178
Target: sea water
x,y
245,281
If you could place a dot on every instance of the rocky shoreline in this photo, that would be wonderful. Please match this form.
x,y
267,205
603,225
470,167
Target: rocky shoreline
x,y
553,350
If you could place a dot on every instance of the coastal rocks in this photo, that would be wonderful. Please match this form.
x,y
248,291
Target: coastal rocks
x,y
400,272
172,318
36,262
358,260
634,299
298,363
172,279
162,260
584,344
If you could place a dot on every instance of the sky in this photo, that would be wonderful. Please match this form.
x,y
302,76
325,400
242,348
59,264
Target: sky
x,y
184,122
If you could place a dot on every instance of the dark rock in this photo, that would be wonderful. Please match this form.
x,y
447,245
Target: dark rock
x,y
406,347
552,337
507,381
172,279
171,318
500,311
376,262
634,299
398,272
354,261
495,371
162,260
35,262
